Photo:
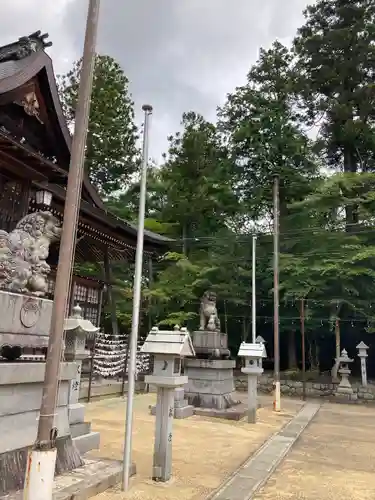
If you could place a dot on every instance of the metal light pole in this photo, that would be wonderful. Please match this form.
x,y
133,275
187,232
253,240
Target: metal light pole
x,y
40,467
254,295
302,316
277,402
136,306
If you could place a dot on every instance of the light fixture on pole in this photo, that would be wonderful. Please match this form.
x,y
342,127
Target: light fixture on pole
x,y
40,466
43,197
253,292
136,306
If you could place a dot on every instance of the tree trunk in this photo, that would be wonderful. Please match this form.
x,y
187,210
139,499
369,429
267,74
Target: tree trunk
x,y
338,338
184,240
351,211
335,369
111,302
292,355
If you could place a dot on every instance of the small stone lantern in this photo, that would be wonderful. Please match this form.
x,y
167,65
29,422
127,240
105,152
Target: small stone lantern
x,y
344,386
253,354
362,354
167,348
77,329
260,340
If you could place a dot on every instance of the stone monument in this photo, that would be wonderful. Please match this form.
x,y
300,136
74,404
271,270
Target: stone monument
x,y
25,320
26,316
210,387
362,354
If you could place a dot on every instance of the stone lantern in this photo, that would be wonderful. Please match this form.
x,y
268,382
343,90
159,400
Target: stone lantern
x,y
253,354
167,348
260,340
362,354
344,386
77,330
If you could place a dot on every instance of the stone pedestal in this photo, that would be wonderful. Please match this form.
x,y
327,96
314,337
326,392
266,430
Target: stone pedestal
x,y
162,461
75,341
252,404
208,344
25,320
21,386
182,409
210,388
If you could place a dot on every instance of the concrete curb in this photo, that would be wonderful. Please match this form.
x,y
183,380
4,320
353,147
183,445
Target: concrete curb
x,y
85,482
256,471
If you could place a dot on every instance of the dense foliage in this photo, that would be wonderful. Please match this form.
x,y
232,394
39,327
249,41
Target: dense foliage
x,y
112,154
304,114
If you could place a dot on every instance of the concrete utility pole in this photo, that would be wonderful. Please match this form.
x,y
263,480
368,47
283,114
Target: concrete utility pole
x,y
276,321
136,305
302,315
253,292
41,460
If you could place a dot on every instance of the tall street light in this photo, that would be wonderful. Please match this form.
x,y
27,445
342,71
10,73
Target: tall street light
x,y
136,305
42,458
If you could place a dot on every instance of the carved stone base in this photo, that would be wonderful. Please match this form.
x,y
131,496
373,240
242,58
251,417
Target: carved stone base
x,y
209,344
25,322
210,383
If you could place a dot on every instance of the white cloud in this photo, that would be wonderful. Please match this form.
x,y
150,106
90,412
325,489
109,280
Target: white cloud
x,y
179,55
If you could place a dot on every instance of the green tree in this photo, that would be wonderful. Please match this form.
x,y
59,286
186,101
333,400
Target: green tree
x,y
265,138
126,204
173,296
112,155
196,180
335,57
335,274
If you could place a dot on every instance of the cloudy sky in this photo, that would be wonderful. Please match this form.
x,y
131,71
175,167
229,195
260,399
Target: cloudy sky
x,y
179,55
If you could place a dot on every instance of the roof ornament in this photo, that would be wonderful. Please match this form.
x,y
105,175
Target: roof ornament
x,y
24,47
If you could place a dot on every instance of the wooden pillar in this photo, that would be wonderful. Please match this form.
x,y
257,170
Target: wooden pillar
x,y
111,302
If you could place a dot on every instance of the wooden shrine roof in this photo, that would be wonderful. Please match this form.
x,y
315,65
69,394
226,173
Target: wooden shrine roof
x,y
25,66
15,74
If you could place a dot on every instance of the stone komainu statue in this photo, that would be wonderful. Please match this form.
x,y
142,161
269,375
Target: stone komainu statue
x,y
209,319
23,253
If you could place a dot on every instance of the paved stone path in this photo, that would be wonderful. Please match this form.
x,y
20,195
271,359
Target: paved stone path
x,y
334,458
256,471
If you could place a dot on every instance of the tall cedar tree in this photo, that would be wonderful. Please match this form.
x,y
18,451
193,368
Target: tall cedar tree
x,y
112,154
197,180
336,55
265,138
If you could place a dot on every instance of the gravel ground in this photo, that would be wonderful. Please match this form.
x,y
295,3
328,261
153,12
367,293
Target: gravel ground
x,y
206,451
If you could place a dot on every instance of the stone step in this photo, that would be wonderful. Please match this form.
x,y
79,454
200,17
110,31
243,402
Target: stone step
x,y
181,404
80,429
87,442
185,412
